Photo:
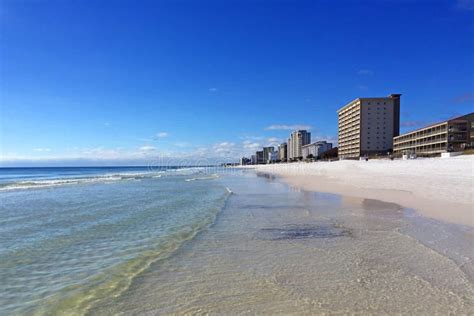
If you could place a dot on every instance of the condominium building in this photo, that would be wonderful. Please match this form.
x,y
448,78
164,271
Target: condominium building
x,y
283,150
295,143
267,151
451,135
316,149
367,126
244,161
259,157
273,156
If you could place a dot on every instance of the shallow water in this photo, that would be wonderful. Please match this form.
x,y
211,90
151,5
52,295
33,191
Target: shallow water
x,y
66,246
277,250
180,244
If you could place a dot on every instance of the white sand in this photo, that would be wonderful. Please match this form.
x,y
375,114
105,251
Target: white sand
x,y
437,188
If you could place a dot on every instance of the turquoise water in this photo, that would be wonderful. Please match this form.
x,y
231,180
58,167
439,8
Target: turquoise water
x,y
72,236
111,241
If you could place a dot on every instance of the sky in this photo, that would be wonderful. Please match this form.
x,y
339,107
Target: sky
x,y
140,82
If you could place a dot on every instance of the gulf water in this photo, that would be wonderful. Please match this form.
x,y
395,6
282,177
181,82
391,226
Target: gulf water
x,y
108,241
72,236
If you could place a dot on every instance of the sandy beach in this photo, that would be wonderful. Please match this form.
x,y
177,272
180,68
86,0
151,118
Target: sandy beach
x,y
438,188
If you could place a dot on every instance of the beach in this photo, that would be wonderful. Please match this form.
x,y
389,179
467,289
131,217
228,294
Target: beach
x,y
108,241
437,188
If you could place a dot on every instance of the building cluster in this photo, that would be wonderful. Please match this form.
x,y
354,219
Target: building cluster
x,y
297,148
370,127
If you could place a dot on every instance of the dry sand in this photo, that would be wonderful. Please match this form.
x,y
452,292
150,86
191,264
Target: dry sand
x,y
438,188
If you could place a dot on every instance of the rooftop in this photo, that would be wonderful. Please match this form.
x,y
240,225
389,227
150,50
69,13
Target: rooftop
x,y
391,96
437,123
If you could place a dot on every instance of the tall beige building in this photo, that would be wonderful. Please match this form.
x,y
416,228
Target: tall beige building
x,y
295,143
367,126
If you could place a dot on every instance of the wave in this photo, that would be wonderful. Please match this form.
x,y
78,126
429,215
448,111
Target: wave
x,y
101,178
211,177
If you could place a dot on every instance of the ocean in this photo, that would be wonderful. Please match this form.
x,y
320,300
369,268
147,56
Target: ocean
x,y
72,236
107,241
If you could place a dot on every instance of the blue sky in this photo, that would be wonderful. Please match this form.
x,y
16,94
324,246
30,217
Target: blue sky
x,y
125,82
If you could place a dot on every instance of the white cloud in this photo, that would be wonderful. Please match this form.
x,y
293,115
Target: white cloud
x,y
251,146
365,72
213,89
288,127
147,148
223,148
249,137
42,149
162,135
274,141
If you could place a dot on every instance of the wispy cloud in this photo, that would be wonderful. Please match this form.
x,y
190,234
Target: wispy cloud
x,y
464,98
42,150
147,148
251,137
223,150
106,124
250,146
162,135
465,5
362,87
365,72
213,89
274,141
277,127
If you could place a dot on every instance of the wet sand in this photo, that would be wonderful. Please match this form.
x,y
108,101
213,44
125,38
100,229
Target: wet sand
x,y
438,188
449,211
279,250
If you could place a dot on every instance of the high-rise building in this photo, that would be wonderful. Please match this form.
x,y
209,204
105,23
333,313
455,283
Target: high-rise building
x,y
283,150
259,157
315,150
295,143
267,151
244,161
273,157
253,159
367,126
451,135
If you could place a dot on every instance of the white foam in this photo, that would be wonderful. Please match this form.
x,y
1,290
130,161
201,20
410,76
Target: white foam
x,y
212,177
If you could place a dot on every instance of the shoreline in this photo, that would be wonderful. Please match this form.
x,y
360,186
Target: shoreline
x,y
442,189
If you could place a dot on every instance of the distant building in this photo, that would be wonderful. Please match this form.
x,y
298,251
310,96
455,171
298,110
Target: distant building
x,y
267,151
295,143
273,157
283,152
368,125
330,154
316,149
244,161
259,157
448,136
253,160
